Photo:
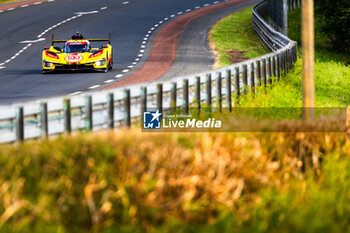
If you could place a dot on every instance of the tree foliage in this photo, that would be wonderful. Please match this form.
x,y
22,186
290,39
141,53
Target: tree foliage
x,y
335,22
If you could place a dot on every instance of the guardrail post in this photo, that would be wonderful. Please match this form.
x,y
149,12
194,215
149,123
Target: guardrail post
x,y
286,68
269,70
219,90
292,60
127,115
294,54
264,72
278,57
289,59
19,124
281,63
88,113
228,90
208,91
67,116
245,79
185,95
258,72
173,95
110,111
237,88
252,77
198,93
272,68
160,97
274,65
143,104
284,65
44,120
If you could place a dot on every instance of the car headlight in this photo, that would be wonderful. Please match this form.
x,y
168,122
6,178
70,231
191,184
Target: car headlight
x,y
47,64
101,62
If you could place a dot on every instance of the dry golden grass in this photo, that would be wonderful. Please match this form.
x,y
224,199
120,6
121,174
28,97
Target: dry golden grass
x,y
149,179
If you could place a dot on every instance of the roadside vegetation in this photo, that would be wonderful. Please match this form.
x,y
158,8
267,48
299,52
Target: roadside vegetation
x,y
7,1
233,39
333,18
332,71
196,182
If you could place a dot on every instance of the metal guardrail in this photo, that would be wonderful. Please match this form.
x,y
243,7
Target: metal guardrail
x,y
120,107
293,4
277,12
269,36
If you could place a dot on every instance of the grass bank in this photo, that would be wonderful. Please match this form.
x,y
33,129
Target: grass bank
x,y
138,182
233,39
332,71
8,1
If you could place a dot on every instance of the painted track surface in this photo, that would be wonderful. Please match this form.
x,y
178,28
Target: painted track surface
x,y
127,21
191,54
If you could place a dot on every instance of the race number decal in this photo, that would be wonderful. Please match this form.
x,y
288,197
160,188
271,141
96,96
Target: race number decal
x,y
73,58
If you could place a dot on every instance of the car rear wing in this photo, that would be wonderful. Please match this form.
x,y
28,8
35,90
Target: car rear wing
x,y
91,40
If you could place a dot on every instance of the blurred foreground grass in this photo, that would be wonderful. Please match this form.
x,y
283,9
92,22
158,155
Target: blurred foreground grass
x,y
196,182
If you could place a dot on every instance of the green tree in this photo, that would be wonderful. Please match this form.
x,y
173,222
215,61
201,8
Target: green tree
x,y
334,16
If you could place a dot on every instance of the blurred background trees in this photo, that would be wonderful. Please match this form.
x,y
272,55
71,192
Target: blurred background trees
x,y
334,16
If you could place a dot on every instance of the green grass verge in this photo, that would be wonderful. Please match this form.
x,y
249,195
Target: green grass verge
x,y
235,32
7,1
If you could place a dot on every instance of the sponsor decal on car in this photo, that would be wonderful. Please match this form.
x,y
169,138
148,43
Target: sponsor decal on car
x,y
76,43
73,58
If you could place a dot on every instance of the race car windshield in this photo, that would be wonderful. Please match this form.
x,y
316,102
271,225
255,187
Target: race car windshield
x,y
76,48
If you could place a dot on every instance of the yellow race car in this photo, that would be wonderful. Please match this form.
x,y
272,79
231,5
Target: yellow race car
x,y
77,54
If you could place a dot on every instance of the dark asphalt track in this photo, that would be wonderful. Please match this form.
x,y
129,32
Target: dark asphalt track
x,y
194,54
21,79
